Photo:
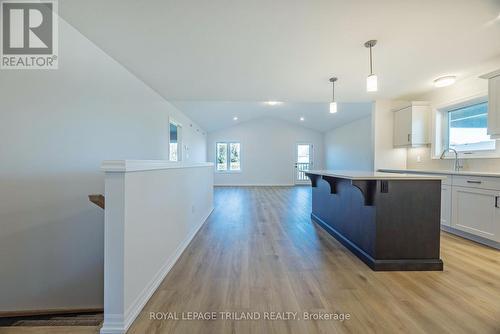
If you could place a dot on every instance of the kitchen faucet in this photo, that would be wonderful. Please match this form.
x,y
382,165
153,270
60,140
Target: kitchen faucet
x,y
457,165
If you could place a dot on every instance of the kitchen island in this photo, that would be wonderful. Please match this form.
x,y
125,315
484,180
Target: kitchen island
x,y
390,221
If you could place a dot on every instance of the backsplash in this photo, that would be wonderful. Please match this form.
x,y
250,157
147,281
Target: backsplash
x,y
426,162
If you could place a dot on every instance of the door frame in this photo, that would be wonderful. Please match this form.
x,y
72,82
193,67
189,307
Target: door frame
x,y
311,161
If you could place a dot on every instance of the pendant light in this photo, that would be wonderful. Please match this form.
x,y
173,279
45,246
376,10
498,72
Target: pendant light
x,y
333,104
371,80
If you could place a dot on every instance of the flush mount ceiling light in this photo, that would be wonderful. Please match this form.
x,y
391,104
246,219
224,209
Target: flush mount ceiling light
x,y
445,81
235,118
273,103
302,119
333,104
371,80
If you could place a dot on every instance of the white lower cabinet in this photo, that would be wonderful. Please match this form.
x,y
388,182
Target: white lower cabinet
x,y
446,205
476,211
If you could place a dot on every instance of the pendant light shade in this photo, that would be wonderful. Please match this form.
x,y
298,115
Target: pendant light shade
x,y
333,104
371,80
333,107
371,83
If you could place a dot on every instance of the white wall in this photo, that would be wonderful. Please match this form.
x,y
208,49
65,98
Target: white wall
x,y
384,153
147,220
349,147
56,127
268,150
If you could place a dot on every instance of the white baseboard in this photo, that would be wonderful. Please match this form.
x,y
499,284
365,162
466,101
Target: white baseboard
x,y
475,238
116,323
113,324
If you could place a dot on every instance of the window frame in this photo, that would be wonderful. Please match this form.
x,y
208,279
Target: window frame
x,y
441,130
311,151
179,140
228,161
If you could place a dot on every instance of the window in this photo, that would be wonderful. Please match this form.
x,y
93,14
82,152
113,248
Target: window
x,y
221,156
303,153
175,144
228,157
467,127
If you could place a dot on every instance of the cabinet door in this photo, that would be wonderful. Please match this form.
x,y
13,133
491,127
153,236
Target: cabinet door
x,y
494,107
420,125
402,127
446,205
475,211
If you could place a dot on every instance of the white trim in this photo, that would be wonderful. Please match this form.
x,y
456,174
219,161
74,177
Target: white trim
x,y
400,105
145,165
440,129
490,75
115,323
472,237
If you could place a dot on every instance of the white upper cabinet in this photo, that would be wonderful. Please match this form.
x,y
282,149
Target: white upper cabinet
x,y
493,103
411,125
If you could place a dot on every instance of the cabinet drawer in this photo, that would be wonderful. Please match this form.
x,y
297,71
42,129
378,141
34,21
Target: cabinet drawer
x,y
492,183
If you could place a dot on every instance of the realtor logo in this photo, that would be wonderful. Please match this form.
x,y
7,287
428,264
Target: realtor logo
x,y
29,34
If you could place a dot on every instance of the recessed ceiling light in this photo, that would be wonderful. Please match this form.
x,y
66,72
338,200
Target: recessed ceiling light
x,y
235,118
445,81
302,119
273,103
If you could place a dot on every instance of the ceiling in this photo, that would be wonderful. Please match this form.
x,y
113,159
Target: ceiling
x,y
205,54
218,115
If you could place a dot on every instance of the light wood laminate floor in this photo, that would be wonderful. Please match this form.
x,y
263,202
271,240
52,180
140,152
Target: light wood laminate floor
x,y
259,252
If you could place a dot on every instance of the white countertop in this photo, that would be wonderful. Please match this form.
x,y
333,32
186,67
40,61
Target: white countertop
x,y
361,175
144,165
441,172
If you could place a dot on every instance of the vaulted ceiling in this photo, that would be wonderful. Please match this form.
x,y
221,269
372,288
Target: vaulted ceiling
x,y
218,115
195,52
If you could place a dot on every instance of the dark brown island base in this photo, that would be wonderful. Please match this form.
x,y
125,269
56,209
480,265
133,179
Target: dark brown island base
x,y
390,221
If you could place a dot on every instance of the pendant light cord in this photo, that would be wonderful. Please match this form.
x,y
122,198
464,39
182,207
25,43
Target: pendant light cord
x,y
371,61
332,80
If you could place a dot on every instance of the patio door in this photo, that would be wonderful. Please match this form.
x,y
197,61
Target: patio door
x,y
303,161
